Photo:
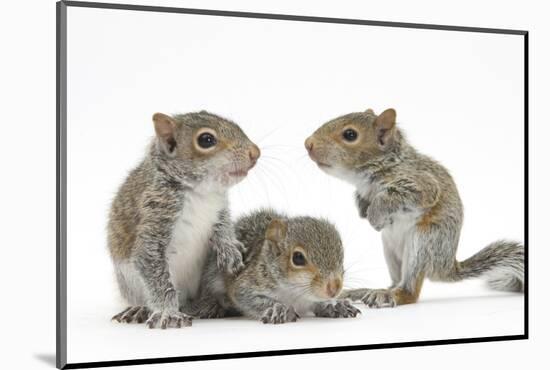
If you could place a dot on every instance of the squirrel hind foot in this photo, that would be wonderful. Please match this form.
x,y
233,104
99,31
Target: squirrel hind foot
x,y
132,314
379,298
164,320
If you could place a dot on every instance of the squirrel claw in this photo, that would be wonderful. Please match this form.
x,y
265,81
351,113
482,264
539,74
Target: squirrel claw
x,y
378,216
378,225
132,314
231,259
339,309
279,314
240,246
346,309
379,298
234,267
166,320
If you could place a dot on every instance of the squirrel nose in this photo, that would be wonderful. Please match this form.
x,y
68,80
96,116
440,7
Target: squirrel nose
x,y
333,287
309,144
254,153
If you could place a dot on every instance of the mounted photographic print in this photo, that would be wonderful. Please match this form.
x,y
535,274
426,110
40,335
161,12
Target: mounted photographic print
x,y
240,184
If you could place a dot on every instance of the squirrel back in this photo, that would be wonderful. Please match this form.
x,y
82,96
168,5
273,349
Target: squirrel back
x,y
250,229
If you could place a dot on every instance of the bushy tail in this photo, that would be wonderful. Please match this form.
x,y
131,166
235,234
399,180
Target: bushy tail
x,y
500,263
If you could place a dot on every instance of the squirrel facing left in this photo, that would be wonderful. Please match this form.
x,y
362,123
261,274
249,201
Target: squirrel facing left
x,y
171,210
293,266
414,202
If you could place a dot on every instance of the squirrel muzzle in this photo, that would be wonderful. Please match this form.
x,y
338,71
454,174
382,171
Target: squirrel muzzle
x,y
333,287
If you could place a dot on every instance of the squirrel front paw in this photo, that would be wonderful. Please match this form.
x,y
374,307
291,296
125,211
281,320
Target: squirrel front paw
x,y
342,308
133,314
168,319
230,257
377,217
379,298
362,205
279,314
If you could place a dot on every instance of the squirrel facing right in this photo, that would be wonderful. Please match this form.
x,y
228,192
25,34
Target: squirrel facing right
x,y
173,209
293,266
414,201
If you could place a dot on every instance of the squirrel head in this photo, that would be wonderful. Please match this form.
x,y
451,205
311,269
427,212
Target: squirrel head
x,y
345,144
310,256
204,147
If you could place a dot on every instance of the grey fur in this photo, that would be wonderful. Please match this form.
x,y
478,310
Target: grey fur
x,y
414,201
156,195
269,288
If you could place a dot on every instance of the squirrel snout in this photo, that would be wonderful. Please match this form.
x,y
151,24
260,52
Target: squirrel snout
x,y
333,287
254,153
309,144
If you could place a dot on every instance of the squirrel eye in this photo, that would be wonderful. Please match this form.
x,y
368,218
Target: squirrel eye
x,y
349,135
206,140
298,259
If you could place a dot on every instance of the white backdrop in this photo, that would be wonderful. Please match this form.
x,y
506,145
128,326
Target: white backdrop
x,y
459,96
27,90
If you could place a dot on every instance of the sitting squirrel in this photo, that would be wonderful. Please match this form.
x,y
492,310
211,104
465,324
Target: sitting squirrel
x,y
293,266
171,210
413,200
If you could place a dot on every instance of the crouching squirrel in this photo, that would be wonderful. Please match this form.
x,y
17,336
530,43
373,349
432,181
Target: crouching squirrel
x,y
171,210
414,201
293,266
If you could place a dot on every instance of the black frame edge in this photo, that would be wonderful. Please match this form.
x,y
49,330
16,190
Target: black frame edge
x,y
302,351
287,17
526,179
61,183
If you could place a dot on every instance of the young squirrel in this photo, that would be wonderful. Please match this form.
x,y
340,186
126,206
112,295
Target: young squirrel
x,y
171,210
293,266
413,200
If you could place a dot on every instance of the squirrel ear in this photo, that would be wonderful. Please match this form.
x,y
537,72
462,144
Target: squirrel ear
x,y
276,231
384,126
165,128
369,111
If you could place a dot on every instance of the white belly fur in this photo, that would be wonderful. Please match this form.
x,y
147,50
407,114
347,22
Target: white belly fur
x,y
189,244
396,235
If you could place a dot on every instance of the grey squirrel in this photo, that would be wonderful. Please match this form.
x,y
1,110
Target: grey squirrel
x,y
171,210
413,200
293,266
